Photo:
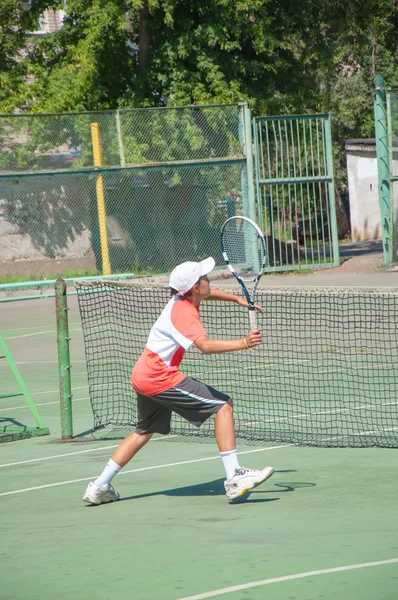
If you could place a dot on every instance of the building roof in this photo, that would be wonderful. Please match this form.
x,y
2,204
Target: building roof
x,y
367,144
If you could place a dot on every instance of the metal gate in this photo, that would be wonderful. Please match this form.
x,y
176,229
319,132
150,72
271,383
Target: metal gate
x,y
295,191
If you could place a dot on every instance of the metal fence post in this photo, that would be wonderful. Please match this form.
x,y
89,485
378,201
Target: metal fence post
x,y
257,175
383,166
120,139
249,163
65,387
332,197
97,151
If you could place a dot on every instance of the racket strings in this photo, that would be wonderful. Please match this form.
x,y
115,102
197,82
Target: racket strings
x,y
244,247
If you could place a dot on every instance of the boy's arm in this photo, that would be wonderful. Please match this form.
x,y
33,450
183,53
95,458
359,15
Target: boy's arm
x,y
226,297
207,346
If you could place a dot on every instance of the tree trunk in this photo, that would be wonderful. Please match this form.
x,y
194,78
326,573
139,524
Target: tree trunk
x,y
144,39
343,222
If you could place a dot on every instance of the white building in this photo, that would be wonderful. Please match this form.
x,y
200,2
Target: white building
x,y
363,189
50,21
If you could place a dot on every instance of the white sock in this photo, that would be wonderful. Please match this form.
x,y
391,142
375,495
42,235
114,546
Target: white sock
x,y
230,462
108,474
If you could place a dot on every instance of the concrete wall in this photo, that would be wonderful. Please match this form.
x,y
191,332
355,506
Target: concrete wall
x,y
363,189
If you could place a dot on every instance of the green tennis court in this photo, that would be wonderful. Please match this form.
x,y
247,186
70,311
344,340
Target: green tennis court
x,y
324,526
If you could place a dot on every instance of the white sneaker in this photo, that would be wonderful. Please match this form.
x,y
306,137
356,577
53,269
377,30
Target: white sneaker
x,y
245,480
96,495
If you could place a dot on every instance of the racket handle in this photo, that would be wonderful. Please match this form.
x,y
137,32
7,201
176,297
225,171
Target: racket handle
x,y
252,318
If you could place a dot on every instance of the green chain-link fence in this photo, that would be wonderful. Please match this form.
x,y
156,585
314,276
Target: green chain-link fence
x,y
138,192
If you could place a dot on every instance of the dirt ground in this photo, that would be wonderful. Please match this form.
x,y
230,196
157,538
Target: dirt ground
x,y
362,265
46,267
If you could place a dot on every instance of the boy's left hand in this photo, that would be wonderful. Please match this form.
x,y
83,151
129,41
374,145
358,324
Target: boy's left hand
x,y
243,302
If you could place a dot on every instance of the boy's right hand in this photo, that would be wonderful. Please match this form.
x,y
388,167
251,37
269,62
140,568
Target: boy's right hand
x,y
253,338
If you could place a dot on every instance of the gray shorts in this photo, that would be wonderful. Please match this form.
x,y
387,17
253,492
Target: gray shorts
x,y
191,399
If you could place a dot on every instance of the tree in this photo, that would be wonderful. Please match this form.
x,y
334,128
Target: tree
x,y
277,55
14,25
280,56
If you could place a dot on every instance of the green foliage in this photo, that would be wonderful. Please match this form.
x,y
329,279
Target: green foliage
x,y
280,56
14,24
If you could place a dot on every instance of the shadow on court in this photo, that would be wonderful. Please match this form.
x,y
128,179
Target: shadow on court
x,y
216,488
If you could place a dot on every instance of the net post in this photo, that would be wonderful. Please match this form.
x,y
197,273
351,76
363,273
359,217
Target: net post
x,y
97,152
65,387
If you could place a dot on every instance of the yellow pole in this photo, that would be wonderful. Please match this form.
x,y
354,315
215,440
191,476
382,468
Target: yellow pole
x,y
97,151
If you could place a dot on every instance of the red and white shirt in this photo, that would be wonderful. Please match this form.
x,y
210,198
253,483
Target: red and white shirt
x,y
174,332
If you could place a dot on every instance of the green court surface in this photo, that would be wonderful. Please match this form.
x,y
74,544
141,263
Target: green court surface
x,y
325,526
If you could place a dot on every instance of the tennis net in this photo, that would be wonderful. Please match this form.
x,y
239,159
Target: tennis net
x,y
325,375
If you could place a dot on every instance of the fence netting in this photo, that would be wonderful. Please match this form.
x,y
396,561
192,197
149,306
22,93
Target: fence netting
x,y
169,177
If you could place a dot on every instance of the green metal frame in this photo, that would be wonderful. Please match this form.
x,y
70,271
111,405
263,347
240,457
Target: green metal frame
x,y
16,432
9,287
279,160
332,197
153,166
103,112
383,153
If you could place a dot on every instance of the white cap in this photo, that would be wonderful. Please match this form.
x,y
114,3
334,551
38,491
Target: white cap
x,y
184,276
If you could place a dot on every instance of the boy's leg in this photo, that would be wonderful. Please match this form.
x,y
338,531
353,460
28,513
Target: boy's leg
x,y
122,455
239,481
129,447
100,491
152,418
224,429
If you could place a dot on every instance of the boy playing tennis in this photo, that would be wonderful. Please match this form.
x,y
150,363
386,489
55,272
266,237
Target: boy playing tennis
x,y
161,388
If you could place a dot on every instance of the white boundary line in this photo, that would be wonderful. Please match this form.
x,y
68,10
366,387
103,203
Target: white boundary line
x,y
40,327
253,584
42,362
23,462
41,404
176,464
17,337
82,387
32,460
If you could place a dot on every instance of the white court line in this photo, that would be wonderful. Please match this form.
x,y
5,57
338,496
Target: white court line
x,y
253,584
21,329
336,411
82,387
40,404
302,416
23,462
17,337
40,362
356,434
176,464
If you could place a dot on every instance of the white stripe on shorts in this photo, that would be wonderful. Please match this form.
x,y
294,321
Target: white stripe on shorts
x,y
205,400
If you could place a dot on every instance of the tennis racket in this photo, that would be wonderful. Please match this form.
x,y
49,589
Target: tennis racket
x,y
245,254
